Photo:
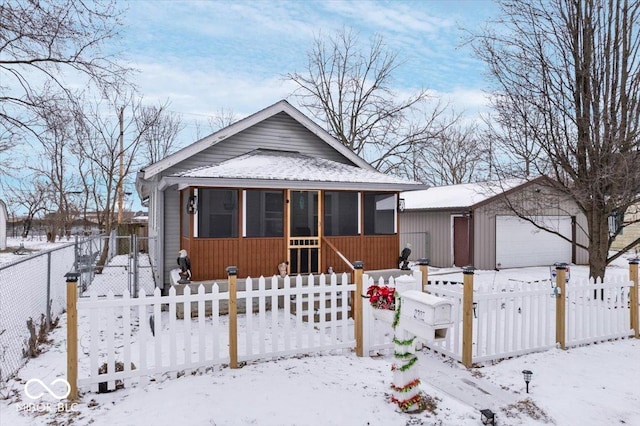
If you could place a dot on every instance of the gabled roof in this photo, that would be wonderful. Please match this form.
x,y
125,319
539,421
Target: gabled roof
x,y
247,122
267,168
466,195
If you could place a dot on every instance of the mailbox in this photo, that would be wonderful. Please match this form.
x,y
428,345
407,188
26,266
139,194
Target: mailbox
x,y
424,315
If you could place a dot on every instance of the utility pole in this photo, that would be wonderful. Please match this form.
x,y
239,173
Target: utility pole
x,y
121,174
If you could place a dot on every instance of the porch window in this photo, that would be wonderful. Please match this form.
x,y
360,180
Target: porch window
x,y
379,213
340,213
217,213
264,213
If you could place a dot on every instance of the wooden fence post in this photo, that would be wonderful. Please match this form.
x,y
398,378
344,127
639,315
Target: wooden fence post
x,y
467,316
424,268
633,296
357,307
72,334
232,274
561,304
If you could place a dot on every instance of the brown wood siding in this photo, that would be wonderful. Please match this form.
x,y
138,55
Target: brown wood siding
x,y
260,256
376,251
253,256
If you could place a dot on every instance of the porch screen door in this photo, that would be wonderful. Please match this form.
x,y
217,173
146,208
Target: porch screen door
x,y
304,232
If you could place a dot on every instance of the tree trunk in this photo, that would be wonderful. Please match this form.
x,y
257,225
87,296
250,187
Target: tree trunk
x,y
103,256
598,242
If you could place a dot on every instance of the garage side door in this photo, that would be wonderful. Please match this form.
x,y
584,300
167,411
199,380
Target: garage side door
x,y
520,243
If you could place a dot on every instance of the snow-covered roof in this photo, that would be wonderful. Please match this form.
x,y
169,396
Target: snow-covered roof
x,y
457,196
268,165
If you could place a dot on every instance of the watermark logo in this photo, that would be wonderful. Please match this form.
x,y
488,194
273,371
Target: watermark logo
x,y
35,389
28,386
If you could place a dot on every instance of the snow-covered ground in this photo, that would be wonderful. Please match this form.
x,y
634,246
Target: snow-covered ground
x,y
590,385
31,244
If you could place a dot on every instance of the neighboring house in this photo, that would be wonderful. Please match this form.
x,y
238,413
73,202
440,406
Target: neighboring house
x,y
272,187
472,224
630,232
4,219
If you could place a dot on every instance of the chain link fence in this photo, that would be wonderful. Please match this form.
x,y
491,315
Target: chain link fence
x,y
33,289
126,266
32,295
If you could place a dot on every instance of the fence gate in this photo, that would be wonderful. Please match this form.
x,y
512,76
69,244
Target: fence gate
x,y
114,263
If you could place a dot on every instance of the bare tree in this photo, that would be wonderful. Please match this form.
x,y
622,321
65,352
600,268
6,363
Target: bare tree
x,y
5,145
222,118
348,89
44,45
455,154
569,73
163,128
31,197
513,147
55,168
109,135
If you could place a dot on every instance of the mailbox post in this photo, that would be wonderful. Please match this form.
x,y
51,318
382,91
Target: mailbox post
x,y
419,315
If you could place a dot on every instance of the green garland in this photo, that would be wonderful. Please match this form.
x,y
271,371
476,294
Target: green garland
x,y
407,366
412,384
411,360
403,342
405,355
404,405
396,316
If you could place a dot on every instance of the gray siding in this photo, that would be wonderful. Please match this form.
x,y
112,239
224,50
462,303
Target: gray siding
x,y
280,132
435,227
171,230
438,225
484,222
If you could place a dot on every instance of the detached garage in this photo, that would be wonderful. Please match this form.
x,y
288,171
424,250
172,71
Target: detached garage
x,y
521,243
476,224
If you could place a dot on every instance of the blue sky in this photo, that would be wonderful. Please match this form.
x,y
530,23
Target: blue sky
x,y
208,55
205,55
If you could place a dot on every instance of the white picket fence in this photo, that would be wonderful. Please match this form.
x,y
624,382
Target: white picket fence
x,y
598,311
300,317
307,318
520,318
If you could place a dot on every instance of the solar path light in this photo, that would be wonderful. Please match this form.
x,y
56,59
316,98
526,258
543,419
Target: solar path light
x,y
527,377
487,417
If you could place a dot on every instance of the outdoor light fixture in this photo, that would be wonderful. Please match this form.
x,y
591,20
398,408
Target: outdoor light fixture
x,y
487,417
192,204
527,377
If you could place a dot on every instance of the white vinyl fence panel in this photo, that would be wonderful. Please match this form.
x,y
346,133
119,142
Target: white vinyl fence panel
x,y
452,344
520,317
512,319
597,311
146,337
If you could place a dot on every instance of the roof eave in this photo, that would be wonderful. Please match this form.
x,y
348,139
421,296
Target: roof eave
x,y
440,209
285,184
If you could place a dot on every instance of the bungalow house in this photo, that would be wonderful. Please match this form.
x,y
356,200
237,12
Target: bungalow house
x,y
476,224
270,188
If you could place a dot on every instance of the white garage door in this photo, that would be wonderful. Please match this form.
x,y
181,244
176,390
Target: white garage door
x,y
520,243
